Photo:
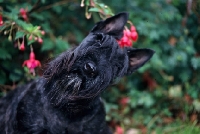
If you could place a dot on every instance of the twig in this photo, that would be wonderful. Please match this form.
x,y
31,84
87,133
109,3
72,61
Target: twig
x,y
52,5
35,6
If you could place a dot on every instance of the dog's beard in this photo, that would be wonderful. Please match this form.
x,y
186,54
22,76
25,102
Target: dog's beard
x,y
64,90
72,92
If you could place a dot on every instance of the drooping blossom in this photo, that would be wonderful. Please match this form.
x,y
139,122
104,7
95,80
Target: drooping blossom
x,y
22,47
32,63
40,40
129,36
23,13
1,20
43,32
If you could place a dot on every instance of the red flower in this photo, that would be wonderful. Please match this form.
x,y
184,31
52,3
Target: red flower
x,y
32,63
129,37
134,36
43,32
22,47
133,28
40,40
23,13
1,20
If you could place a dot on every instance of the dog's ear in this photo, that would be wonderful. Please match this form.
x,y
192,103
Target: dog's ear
x,y
138,57
113,26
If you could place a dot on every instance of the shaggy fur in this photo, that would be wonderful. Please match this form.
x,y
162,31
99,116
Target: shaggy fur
x,y
66,99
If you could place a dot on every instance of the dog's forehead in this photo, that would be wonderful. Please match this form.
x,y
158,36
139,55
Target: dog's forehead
x,y
91,41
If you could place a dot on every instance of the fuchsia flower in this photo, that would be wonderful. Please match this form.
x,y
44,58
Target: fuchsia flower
x,y
129,37
1,20
32,63
40,40
23,13
22,47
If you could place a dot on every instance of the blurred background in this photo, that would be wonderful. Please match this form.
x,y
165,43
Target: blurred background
x,y
162,97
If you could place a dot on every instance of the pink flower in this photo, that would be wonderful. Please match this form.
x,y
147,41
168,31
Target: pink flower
x,y
23,13
43,32
32,63
40,40
1,20
22,47
129,36
30,37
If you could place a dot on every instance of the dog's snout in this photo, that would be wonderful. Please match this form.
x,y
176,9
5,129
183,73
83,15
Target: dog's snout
x,y
99,37
90,69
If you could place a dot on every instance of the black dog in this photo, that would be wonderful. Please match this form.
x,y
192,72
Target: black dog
x,y
66,100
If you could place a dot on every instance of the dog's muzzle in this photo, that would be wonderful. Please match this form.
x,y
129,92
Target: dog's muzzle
x,y
73,85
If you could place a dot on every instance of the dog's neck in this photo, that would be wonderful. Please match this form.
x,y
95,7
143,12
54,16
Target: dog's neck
x,y
80,108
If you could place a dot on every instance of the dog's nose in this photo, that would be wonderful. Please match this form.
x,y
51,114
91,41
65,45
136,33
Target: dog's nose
x,y
99,37
90,69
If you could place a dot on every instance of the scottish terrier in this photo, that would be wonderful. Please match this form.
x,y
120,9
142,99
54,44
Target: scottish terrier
x,y
66,99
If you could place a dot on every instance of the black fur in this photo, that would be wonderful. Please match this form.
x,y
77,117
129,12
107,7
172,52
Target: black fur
x,y
66,100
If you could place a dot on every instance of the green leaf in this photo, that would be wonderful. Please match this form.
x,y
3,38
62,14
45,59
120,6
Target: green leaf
x,y
31,41
24,25
16,75
19,34
13,15
2,27
13,77
195,62
94,10
4,54
47,45
38,16
2,77
43,1
61,45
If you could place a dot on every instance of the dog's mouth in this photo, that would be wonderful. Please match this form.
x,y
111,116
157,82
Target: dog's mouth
x,y
73,85
70,91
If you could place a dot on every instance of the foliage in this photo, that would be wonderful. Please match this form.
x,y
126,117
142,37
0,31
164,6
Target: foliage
x,y
162,96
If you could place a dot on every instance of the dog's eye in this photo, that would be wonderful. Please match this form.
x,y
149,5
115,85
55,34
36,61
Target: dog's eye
x,y
99,37
90,69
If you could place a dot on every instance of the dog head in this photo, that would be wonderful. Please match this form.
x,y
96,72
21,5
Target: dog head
x,y
84,72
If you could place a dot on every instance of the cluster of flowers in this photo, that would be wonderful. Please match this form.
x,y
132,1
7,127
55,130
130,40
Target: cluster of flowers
x,y
31,63
21,45
23,13
129,37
